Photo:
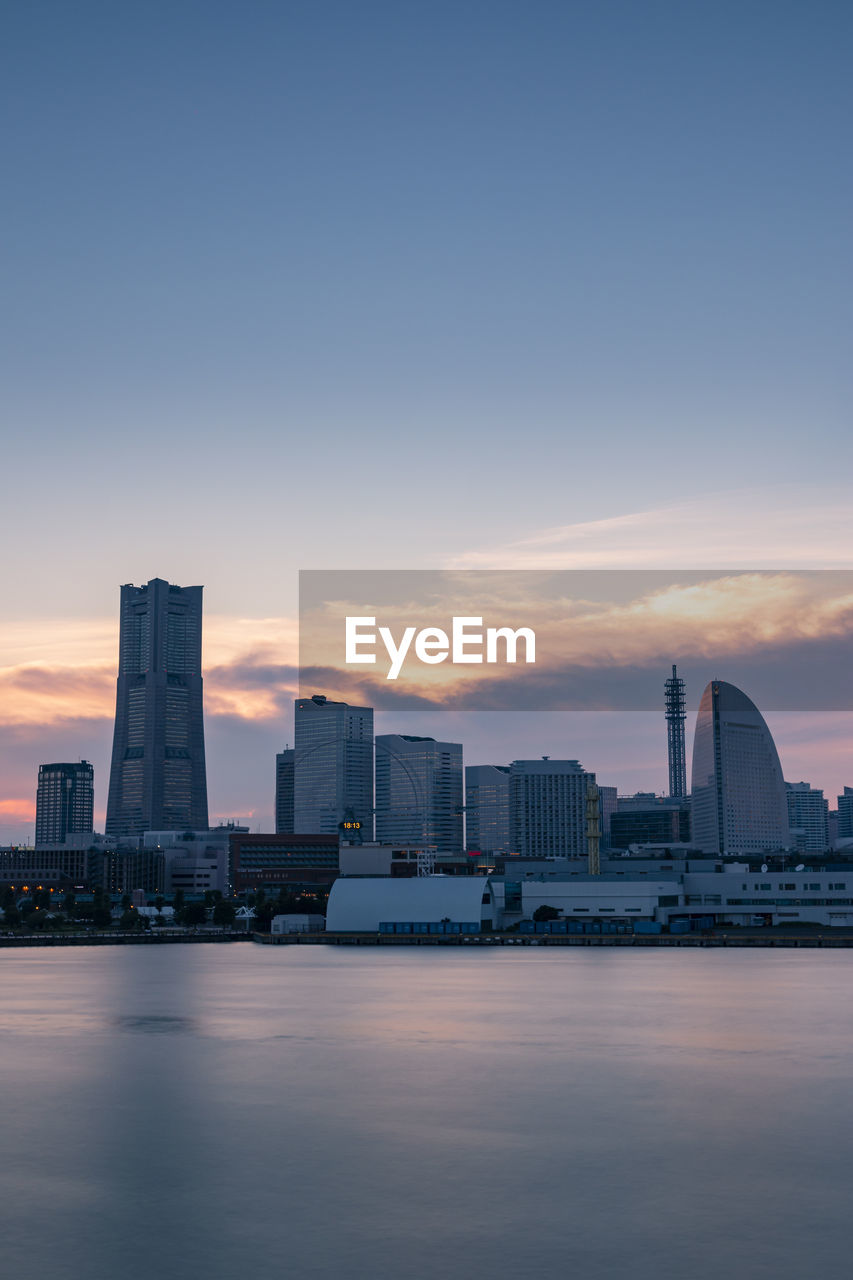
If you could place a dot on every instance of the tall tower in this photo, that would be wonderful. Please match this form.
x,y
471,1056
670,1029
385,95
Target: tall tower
x,y
739,800
158,780
675,716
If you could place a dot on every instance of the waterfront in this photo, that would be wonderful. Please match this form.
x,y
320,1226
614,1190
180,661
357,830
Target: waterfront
x,y
355,1112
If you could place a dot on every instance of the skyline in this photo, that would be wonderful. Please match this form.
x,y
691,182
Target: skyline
x,y
626,751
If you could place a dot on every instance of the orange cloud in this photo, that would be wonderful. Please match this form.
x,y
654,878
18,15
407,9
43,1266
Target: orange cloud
x,y
59,670
18,810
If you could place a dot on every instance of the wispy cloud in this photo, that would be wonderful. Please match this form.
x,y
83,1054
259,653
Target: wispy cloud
x,y
781,528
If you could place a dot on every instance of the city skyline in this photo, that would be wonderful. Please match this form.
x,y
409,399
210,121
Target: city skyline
x,y
809,738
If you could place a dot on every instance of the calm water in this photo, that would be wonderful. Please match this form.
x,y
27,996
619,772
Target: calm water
x,y
212,1111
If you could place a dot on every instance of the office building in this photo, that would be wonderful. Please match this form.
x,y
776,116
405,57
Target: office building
x,y
487,808
808,817
655,820
845,814
607,805
157,776
547,808
297,863
419,793
284,792
333,769
64,801
739,802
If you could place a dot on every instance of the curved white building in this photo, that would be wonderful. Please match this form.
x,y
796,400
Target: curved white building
x,y
739,803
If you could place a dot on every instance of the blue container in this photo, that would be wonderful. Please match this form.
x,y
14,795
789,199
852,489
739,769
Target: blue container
x,y
647,926
526,926
436,928
679,926
385,926
403,927
473,926
559,926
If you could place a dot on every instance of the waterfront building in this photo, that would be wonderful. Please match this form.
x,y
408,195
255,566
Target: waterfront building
x,y
272,862
487,808
333,768
845,814
158,777
419,793
808,817
649,819
411,905
64,801
738,803
548,807
284,792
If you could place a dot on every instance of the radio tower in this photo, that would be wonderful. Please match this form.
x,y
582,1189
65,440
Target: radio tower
x,y
675,716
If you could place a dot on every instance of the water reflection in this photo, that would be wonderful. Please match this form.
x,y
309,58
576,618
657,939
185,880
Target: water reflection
x,y
206,1110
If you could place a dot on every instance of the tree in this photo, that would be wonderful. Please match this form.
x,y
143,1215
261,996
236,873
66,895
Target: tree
x,y
12,915
545,913
101,913
179,902
194,913
159,903
224,913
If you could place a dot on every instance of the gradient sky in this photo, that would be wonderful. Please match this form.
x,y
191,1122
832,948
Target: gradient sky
x,y
404,285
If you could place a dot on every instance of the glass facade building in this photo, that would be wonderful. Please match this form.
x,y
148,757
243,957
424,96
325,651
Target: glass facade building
x,y
739,801
419,793
333,769
158,778
64,801
487,808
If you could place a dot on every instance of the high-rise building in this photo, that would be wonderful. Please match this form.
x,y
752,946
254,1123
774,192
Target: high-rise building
x,y
284,792
739,802
333,769
675,717
808,817
607,806
158,780
487,808
547,808
419,792
64,801
845,814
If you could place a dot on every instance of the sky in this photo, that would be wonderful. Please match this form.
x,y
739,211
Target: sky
x,y
407,285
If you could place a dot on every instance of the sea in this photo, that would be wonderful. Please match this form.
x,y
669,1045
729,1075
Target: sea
x,y
235,1110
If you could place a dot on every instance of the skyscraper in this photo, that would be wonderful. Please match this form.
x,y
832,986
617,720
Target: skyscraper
x,y
419,792
64,801
739,801
808,817
845,814
158,780
284,792
547,808
487,808
333,768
